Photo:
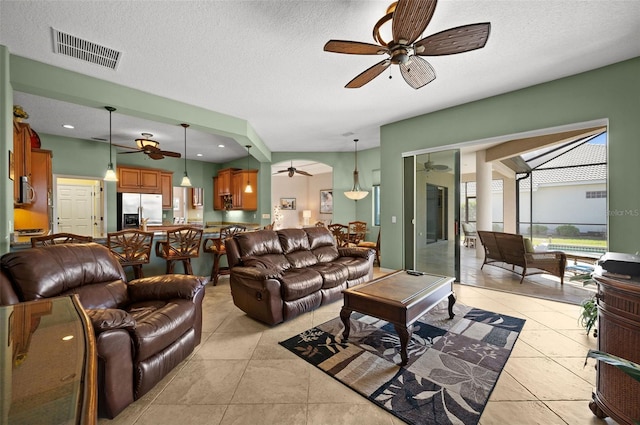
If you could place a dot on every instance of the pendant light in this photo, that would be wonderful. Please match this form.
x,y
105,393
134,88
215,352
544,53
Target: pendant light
x,y
185,179
110,175
248,188
356,193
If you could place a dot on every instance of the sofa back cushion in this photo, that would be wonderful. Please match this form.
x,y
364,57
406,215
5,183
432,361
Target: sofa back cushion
x,y
88,269
322,244
295,245
261,249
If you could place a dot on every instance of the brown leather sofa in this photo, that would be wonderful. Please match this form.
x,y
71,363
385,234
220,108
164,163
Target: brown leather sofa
x,y
277,275
144,328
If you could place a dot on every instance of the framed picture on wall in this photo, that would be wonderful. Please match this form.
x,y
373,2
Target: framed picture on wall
x,y
326,201
287,203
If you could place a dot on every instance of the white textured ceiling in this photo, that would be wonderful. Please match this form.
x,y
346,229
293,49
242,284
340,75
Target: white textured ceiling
x,y
263,61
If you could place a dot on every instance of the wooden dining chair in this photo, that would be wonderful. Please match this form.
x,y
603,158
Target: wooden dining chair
x,y
339,232
357,232
59,238
373,245
132,247
182,244
216,247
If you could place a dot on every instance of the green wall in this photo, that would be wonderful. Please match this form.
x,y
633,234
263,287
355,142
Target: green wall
x,y
611,93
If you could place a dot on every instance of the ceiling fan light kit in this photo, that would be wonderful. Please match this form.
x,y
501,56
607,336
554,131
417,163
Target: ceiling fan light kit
x,y
356,193
146,141
110,175
185,179
409,19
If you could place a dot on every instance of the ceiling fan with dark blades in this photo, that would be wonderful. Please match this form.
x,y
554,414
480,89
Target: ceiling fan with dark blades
x,y
149,147
292,170
409,18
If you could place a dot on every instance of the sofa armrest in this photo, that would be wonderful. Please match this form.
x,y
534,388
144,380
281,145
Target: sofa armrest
x,y
106,319
255,273
356,252
165,287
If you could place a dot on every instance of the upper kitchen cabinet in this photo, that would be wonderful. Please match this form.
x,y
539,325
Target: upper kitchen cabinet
x,y
139,180
224,182
22,135
37,216
241,199
166,183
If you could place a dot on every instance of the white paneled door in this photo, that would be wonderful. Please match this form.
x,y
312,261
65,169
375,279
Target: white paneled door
x,y
78,209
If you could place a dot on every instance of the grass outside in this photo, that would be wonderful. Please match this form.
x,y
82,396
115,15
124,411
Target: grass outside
x,y
558,240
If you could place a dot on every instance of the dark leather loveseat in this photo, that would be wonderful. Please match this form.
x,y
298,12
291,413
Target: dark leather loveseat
x,y
277,275
144,328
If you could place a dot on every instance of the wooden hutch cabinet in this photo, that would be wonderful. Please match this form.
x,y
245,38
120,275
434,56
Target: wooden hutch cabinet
x,y
617,395
229,184
242,200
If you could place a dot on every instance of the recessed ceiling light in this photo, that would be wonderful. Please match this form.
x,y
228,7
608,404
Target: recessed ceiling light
x,y
69,126
198,154
221,146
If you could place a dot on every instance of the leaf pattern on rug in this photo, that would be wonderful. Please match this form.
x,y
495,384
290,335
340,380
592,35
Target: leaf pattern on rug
x,y
451,371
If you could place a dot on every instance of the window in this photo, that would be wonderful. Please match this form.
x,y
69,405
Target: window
x,y
593,194
376,204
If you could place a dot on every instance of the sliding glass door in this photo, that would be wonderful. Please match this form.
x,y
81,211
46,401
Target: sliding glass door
x,y
432,212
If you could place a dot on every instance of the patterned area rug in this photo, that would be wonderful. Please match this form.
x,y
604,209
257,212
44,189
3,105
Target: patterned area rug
x,y
452,370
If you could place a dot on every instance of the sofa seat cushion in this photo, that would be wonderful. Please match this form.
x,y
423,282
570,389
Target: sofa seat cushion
x,y
159,324
332,274
357,267
298,283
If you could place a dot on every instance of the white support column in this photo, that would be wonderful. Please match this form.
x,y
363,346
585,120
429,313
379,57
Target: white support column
x,y
483,197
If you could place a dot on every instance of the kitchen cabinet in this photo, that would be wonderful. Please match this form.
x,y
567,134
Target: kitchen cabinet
x,y
138,180
217,200
21,156
196,196
166,188
37,215
224,181
230,195
242,200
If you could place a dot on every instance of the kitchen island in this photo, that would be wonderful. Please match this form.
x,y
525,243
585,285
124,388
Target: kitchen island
x,y
157,266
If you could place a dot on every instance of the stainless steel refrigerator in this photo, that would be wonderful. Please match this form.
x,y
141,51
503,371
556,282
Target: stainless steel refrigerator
x,y
133,207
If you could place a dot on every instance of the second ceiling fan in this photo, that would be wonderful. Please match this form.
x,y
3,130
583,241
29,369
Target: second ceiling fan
x,y
292,170
409,19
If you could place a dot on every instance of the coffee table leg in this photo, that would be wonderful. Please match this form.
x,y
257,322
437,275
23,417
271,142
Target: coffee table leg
x,y
345,314
452,301
404,332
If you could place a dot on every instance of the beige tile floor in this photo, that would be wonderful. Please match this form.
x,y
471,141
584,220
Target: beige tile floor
x,y
240,375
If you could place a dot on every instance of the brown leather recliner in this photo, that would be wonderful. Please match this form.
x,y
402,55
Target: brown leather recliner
x,y
144,328
278,275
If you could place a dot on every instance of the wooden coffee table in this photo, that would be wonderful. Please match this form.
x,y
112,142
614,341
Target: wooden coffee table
x,y
400,299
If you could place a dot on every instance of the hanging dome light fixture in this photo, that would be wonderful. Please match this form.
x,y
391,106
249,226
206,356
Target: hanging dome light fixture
x,y
185,179
248,188
356,193
110,175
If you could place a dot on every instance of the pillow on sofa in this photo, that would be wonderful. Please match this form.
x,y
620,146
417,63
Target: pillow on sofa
x,y
528,246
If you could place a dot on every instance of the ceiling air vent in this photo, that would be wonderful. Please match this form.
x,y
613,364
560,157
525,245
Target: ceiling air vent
x,y
70,45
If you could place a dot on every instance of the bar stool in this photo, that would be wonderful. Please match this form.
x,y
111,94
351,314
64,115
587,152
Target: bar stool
x,y
182,244
132,248
58,238
216,247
